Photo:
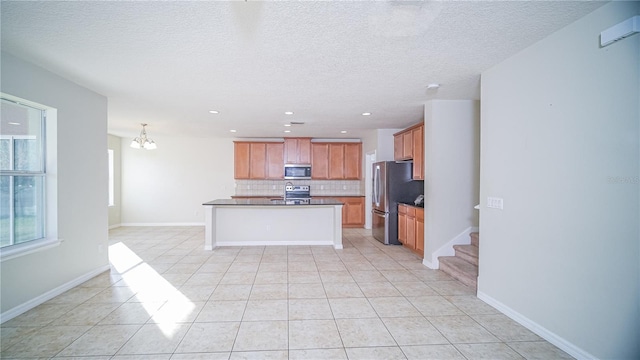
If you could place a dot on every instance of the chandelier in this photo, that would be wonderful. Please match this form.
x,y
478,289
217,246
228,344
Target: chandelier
x,y
142,141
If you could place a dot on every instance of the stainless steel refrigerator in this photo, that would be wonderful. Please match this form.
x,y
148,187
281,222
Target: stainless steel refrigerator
x,y
392,184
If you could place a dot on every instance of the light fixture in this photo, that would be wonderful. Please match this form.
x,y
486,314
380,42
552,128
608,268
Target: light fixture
x,y
343,131
433,86
287,131
366,113
232,130
142,141
214,111
14,123
287,125
620,31
288,112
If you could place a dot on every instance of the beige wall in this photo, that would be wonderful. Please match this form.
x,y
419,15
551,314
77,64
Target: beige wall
x,y
81,184
451,168
560,144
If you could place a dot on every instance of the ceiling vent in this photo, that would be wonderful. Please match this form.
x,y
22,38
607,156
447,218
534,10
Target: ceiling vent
x,y
297,123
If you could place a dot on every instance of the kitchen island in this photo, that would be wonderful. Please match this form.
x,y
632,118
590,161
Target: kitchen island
x,y
260,222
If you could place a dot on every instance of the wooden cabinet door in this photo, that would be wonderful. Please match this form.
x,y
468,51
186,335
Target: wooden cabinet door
x,y
275,160
411,232
320,161
241,160
420,232
398,147
407,145
352,161
418,152
291,150
402,228
352,211
297,150
336,161
258,165
304,151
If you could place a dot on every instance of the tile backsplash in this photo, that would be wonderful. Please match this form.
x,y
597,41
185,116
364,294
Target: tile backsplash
x,y
318,187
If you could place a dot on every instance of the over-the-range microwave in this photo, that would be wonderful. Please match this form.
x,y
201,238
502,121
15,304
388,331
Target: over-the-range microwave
x,y
297,171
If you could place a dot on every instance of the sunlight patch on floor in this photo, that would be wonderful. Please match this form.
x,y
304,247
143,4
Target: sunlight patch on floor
x,y
149,287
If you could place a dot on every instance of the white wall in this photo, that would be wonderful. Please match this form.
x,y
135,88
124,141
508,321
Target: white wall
x,y
82,182
114,143
451,169
385,144
168,185
560,145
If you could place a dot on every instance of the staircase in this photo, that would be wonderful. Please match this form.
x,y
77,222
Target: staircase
x,y
464,265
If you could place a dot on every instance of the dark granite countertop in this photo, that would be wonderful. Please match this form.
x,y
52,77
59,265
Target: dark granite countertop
x,y
273,202
412,205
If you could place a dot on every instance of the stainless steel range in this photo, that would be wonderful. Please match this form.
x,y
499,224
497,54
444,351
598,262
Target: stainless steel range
x,y
297,192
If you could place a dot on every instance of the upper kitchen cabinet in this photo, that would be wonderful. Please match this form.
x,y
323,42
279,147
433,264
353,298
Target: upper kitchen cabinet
x,y
336,161
258,160
418,152
408,144
352,161
320,161
297,150
275,160
241,160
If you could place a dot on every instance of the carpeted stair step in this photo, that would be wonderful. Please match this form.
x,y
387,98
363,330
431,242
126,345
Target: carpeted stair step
x,y
460,270
467,252
475,238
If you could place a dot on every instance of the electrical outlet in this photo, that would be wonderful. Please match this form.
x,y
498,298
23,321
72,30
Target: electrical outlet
x,y
495,203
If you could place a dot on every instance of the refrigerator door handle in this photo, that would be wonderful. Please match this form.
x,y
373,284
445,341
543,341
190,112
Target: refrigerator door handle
x,y
376,186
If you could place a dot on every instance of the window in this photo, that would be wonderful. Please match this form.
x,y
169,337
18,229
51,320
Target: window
x,y
111,185
22,173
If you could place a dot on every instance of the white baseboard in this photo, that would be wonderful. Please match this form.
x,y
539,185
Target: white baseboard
x,y
114,226
162,224
30,304
447,249
536,328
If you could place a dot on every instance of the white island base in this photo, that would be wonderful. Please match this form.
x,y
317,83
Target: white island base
x,y
255,225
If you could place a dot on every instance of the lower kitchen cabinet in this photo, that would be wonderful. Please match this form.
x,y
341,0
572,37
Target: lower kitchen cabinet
x,y
411,228
352,210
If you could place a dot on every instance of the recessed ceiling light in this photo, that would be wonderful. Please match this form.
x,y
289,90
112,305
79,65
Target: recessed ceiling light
x,y
14,123
288,112
287,131
287,125
232,131
343,131
366,113
433,86
214,111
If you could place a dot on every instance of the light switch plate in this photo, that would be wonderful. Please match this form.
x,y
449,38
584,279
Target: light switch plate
x,y
495,203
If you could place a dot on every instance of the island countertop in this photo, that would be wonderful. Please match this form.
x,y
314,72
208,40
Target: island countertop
x,y
272,202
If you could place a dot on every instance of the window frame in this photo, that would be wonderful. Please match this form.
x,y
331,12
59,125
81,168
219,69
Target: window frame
x,y
48,158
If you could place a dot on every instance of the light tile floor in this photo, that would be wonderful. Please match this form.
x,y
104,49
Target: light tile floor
x,y
167,298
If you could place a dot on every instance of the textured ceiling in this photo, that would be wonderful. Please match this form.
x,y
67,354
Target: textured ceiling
x,y
169,63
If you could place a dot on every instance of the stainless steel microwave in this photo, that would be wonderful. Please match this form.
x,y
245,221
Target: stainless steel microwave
x,y
297,171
